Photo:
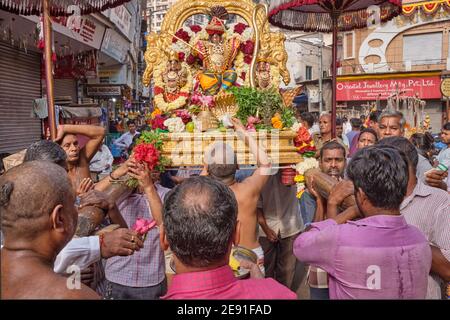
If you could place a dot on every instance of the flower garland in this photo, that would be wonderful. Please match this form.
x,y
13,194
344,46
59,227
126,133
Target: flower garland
x,y
148,150
301,168
175,124
304,143
182,97
305,146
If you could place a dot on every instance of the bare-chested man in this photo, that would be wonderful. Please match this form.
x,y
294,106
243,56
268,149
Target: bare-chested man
x,y
221,164
38,219
78,158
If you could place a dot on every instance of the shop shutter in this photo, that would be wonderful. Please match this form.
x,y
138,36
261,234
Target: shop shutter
x,y
63,88
20,84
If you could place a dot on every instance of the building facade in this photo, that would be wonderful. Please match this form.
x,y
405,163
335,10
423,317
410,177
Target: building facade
x,y
399,64
96,59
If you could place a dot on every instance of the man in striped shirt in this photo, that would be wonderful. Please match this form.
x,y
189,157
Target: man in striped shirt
x,y
141,275
428,209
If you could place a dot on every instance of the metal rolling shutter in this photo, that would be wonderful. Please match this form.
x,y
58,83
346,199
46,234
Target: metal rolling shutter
x,y
63,88
20,84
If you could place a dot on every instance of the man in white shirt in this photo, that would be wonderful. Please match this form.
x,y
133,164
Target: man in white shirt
x,y
102,161
125,140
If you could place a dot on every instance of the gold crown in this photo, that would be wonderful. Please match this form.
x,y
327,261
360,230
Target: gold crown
x,y
264,56
173,55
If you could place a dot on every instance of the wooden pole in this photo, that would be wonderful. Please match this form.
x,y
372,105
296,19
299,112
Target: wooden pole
x,y
48,69
334,18
448,109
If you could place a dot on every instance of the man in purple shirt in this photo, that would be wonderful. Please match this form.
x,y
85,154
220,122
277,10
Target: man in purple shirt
x,y
379,256
200,226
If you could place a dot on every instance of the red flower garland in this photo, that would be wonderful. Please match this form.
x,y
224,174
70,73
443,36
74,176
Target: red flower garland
x,y
191,59
158,123
195,28
146,152
158,90
183,35
248,47
247,59
240,27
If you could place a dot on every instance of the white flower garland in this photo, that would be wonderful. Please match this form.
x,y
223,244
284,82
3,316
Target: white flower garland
x,y
182,99
175,124
301,168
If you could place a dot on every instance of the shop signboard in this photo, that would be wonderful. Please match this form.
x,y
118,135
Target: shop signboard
x,y
445,87
87,30
115,45
103,91
121,17
373,89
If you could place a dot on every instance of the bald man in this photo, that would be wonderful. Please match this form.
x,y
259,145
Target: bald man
x,y
38,219
221,164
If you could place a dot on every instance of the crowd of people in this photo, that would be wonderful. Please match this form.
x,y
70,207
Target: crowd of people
x,y
392,243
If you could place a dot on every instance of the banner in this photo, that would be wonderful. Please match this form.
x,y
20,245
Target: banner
x,y
115,45
363,90
121,17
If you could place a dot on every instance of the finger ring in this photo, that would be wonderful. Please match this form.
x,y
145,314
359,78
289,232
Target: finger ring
x,y
132,239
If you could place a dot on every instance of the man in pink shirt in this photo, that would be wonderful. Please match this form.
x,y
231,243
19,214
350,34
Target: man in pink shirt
x,y
379,256
200,226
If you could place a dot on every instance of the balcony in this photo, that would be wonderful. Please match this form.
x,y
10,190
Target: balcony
x,y
349,67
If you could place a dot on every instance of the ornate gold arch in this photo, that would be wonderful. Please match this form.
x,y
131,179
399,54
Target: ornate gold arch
x,y
183,9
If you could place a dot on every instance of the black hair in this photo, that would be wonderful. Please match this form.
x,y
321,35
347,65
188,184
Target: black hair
x,y
339,122
200,217
332,145
133,142
368,130
446,126
308,118
356,123
373,116
405,146
381,172
46,150
130,122
424,142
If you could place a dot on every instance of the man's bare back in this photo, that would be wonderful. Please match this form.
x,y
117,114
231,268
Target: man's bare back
x,y
20,280
247,214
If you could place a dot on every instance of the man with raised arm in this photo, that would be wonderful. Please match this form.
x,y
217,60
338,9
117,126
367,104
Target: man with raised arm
x,y
78,159
221,164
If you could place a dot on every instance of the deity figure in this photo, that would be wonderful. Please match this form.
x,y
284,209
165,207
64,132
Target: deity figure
x,y
263,76
217,55
174,76
172,85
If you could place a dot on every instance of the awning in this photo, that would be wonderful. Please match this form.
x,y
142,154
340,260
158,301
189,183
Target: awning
x,y
301,98
81,112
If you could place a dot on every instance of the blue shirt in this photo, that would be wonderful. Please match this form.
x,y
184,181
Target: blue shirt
x,y
308,207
